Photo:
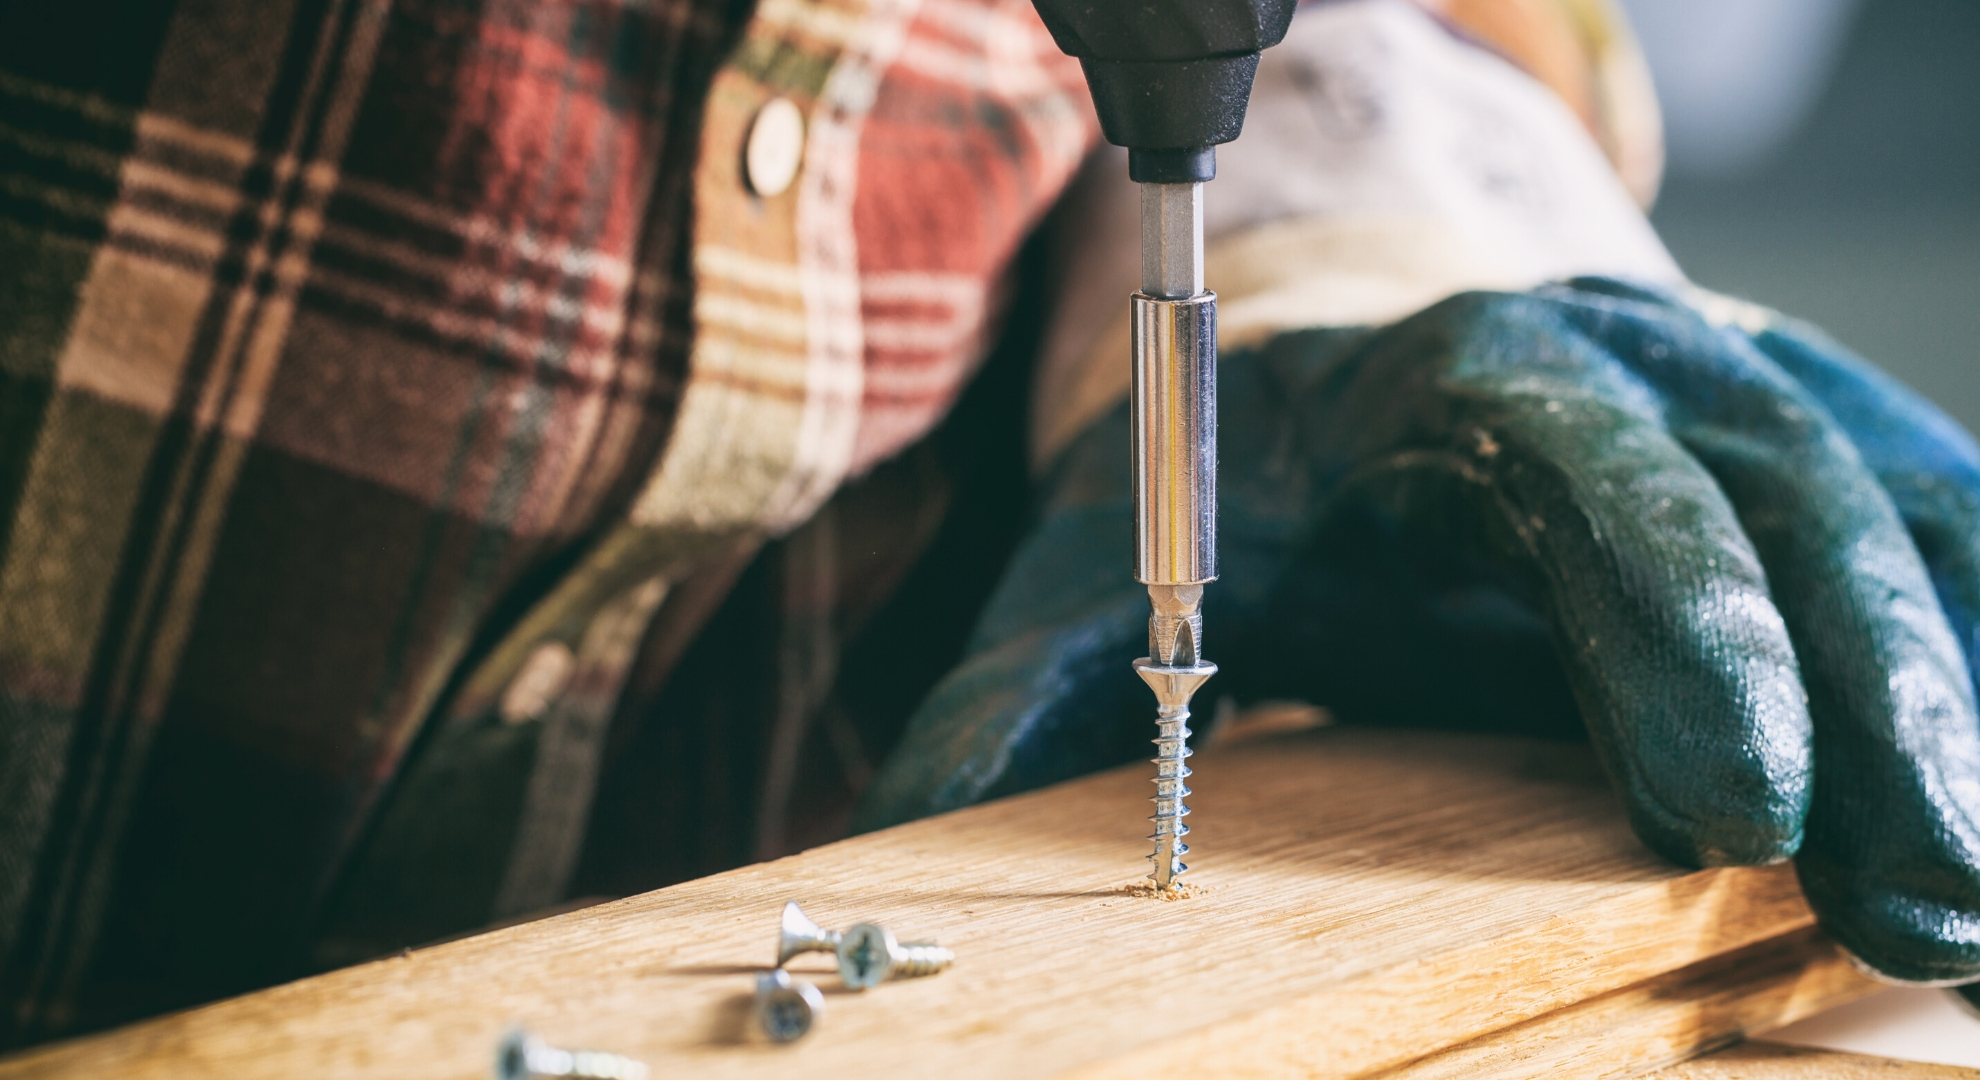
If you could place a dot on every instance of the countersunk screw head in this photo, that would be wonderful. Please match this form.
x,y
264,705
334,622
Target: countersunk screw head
x,y
799,934
869,955
522,1056
786,1008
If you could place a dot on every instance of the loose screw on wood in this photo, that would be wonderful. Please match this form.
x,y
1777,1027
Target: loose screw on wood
x,y
786,1008
869,955
798,934
522,1056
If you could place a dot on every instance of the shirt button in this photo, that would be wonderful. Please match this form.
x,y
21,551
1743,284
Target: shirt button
x,y
540,680
775,148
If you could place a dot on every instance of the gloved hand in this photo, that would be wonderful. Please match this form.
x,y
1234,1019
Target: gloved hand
x,y
1746,560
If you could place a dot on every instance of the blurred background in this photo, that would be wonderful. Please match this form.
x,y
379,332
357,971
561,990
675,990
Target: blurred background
x,y
1825,160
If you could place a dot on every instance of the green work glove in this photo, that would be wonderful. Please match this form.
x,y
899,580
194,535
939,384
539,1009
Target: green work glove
x,y
1746,561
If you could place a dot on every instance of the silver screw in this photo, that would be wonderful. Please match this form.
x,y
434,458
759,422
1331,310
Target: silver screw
x,y
522,1056
799,934
1173,687
869,955
786,1007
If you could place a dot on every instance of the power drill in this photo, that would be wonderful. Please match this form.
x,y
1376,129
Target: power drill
x,y
1170,80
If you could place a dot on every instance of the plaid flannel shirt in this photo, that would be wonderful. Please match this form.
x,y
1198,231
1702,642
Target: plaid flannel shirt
x,y
396,398
356,359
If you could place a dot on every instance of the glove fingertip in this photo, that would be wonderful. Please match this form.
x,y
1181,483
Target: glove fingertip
x,y
1717,771
1893,925
1731,841
1904,946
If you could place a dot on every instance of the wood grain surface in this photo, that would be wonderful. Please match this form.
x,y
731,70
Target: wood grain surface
x,y
1635,1030
1762,1061
1368,901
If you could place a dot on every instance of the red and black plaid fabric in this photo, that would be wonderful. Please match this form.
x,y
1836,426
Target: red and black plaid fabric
x,y
324,324
384,384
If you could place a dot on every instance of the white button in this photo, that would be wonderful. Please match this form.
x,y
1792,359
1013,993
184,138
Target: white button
x,y
542,678
775,148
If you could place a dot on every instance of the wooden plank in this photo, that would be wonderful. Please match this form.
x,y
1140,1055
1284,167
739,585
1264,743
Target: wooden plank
x,y
1763,1061
1635,1030
1368,898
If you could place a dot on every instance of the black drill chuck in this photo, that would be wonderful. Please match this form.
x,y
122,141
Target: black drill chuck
x,y
1170,78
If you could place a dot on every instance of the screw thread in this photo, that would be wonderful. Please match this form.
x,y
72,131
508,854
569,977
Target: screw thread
x,y
1171,750
599,1065
922,958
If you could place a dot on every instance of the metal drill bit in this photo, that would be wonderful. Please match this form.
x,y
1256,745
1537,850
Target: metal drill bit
x,y
1172,240
1175,485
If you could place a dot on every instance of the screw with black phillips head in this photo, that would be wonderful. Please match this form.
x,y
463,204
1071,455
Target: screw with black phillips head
x,y
522,1056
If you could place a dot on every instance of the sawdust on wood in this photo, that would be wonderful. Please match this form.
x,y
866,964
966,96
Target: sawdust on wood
x,y
1148,890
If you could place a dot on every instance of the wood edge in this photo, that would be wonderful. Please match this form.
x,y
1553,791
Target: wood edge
x,y
1652,1025
1763,1060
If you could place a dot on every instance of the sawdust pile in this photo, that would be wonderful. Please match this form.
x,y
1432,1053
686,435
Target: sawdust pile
x,y
1148,890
